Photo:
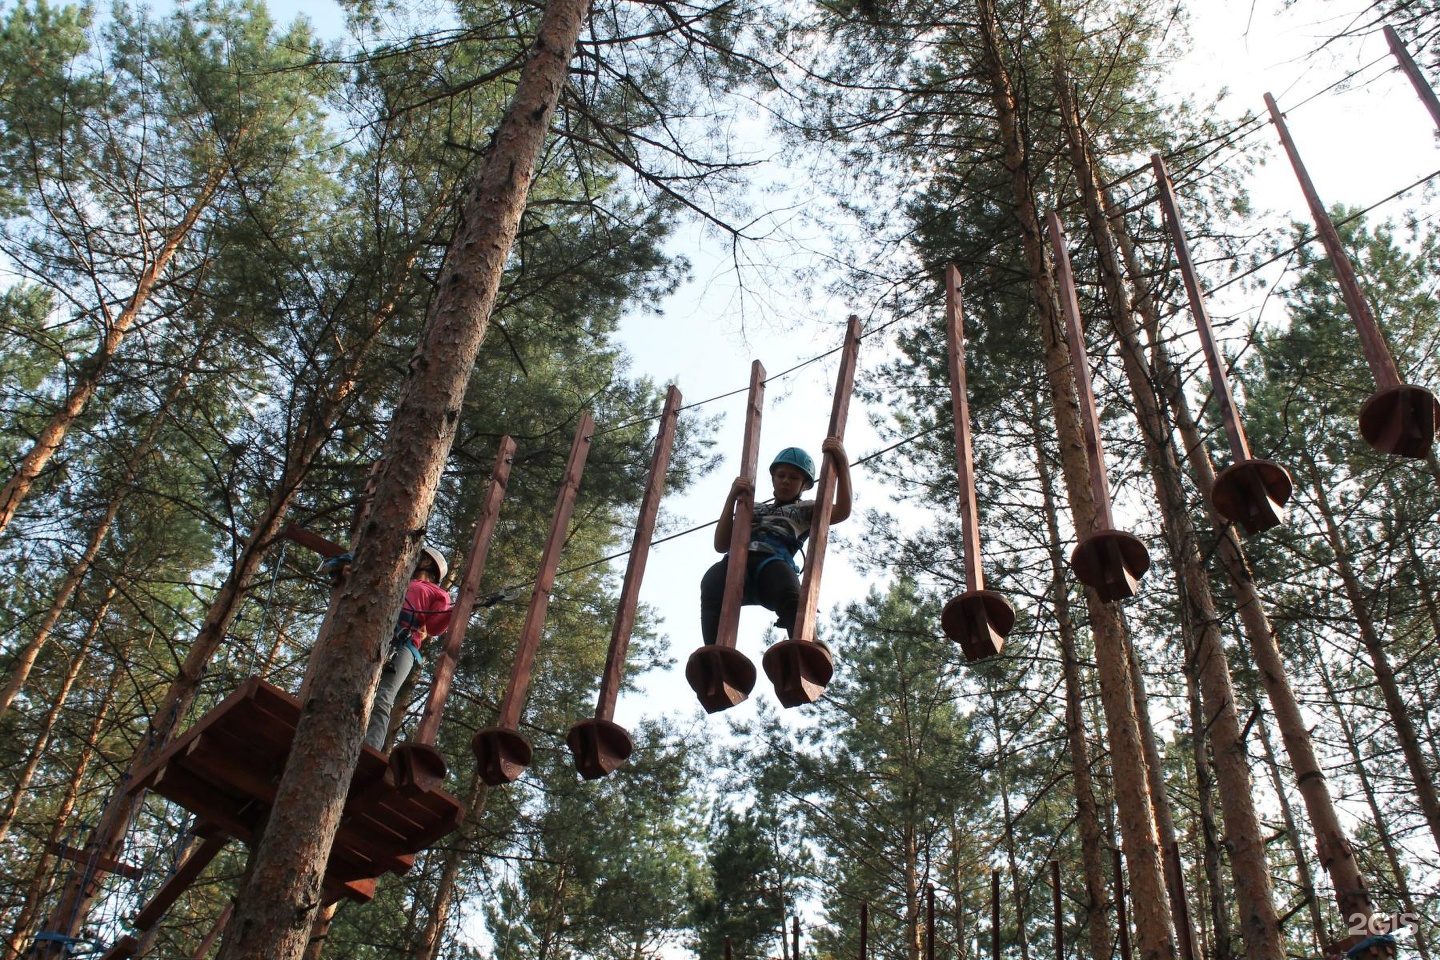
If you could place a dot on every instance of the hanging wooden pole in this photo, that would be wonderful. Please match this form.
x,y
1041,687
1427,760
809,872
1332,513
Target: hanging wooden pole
x,y
1250,492
864,928
795,938
500,751
1417,79
1110,561
978,619
720,675
599,745
416,765
1399,418
799,667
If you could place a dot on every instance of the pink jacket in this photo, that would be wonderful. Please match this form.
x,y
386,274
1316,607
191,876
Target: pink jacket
x,y
426,611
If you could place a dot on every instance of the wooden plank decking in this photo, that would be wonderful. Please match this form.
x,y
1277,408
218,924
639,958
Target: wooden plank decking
x,y
226,769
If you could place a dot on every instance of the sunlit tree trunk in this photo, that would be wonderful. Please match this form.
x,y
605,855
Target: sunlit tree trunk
x,y
41,739
276,905
1087,816
1420,774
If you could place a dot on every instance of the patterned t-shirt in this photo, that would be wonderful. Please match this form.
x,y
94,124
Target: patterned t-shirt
x,y
774,527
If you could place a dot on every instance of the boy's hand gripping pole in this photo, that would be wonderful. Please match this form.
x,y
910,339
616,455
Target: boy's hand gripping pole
x,y
720,675
978,619
799,667
501,752
599,745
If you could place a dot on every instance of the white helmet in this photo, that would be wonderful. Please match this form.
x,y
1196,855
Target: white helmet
x,y
438,559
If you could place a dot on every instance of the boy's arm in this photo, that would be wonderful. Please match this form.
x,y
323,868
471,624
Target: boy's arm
x,y
726,526
835,450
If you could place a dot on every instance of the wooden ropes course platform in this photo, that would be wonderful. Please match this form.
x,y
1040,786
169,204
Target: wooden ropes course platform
x,y
226,770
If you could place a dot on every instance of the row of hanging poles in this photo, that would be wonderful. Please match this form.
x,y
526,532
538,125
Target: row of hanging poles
x,y
1399,419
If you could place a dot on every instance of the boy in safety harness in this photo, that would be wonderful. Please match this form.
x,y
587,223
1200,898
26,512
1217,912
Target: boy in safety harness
x,y
778,530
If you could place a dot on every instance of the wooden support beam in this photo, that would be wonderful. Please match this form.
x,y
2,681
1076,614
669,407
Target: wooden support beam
x,y
469,590
1109,561
503,754
599,745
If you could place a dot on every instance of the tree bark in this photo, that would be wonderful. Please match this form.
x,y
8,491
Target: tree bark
x,y
1254,895
277,903
1137,821
1335,852
1087,817
1404,727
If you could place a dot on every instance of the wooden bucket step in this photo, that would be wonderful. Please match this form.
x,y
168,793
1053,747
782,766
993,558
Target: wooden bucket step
x,y
598,746
720,676
800,671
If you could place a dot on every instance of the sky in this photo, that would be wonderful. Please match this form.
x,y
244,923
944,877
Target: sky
x,y
1361,142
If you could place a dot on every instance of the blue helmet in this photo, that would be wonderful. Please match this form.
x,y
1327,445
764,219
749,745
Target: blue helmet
x,y
798,459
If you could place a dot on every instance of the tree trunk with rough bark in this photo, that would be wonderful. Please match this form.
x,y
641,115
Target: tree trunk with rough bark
x,y
1087,817
1335,852
277,902
1137,820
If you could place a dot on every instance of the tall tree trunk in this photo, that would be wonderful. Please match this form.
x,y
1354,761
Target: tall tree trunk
x,y
1318,936
1217,900
1335,852
1254,896
35,895
277,903
427,945
1087,817
1137,821
47,726
1007,818
1404,727
25,660
93,369
1377,816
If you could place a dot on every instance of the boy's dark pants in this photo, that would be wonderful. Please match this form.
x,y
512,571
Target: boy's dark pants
x,y
776,587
